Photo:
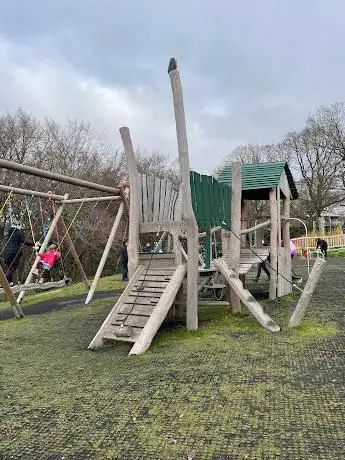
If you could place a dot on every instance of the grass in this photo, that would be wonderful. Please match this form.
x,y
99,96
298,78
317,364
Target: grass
x,y
106,283
230,390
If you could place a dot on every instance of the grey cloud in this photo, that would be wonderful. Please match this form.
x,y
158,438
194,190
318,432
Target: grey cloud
x,y
268,63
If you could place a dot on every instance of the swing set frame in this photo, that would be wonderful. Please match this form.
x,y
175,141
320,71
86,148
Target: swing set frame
x,y
115,194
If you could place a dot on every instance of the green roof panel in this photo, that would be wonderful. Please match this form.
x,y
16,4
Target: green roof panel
x,y
258,178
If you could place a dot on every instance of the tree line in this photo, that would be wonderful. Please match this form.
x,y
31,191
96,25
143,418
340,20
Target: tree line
x,y
316,156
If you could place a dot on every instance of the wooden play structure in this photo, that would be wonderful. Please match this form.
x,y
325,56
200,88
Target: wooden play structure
x,y
167,285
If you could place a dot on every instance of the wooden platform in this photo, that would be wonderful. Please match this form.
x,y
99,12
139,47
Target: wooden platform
x,y
247,259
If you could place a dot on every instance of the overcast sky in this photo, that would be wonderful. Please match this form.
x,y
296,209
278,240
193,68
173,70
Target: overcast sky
x,y
251,70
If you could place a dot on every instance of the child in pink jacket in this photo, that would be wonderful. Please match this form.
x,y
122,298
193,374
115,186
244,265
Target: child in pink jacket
x,y
47,260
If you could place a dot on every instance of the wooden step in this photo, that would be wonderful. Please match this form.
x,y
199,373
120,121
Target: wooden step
x,y
145,294
151,284
142,300
135,309
158,278
131,320
155,289
113,337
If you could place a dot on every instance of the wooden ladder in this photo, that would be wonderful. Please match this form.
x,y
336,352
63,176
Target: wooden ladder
x,y
136,304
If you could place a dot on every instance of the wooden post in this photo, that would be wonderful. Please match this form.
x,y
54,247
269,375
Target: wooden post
x,y
74,253
10,296
105,253
286,238
44,245
235,242
188,214
135,203
307,293
273,244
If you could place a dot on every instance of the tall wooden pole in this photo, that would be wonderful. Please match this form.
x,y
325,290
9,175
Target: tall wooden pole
x,y
74,253
187,209
235,242
105,253
273,244
44,245
135,203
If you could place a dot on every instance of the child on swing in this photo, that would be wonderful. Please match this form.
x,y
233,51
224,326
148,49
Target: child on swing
x,y
47,261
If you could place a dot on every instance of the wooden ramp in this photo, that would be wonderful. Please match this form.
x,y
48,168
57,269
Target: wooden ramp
x,y
143,306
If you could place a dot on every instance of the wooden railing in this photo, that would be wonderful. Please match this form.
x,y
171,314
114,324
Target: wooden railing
x,y
334,241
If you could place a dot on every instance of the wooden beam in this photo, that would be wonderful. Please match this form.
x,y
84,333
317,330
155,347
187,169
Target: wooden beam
x,y
26,192
105,253
267,223
6,164
253,306
74,253
235,242
135,203
96,198
307,293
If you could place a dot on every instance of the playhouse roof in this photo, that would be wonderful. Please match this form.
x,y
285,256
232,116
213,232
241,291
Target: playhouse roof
x,y
259,178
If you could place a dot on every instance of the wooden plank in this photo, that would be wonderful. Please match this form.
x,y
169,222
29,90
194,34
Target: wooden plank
x,y
172,204
158,271
142,300
162,199
253,306
112,337
131,320
167,201
157,277
140,310
150,188
158,290
144,201
144,294
151,284
156,198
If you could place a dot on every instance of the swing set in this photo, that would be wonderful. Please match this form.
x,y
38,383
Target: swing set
x,y
47,223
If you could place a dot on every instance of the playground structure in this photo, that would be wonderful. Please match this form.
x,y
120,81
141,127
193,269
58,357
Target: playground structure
x,y
61,201
164,285
167,285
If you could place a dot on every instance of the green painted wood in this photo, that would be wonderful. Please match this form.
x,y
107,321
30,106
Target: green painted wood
x,y
211,201
261,176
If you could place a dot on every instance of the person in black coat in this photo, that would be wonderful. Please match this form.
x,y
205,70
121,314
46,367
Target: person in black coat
x,y
12,251
322,244
124,261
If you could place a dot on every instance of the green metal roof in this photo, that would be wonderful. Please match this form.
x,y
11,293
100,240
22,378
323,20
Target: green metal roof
x,y
258,178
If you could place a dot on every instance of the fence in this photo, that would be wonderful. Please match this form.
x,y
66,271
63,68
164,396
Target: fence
x,y
334,241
